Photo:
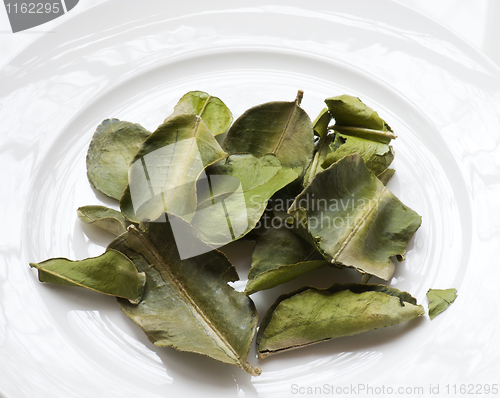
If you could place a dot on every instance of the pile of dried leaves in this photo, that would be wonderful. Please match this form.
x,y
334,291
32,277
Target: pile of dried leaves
x,y
182,195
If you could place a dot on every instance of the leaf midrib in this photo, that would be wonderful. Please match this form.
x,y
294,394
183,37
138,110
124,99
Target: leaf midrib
x,y
185,295
268,352
283,132
205,105
357,227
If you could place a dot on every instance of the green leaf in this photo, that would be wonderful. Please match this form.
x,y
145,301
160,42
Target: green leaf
x,y
359,129
283,199
279,128
309,315
187,303
111,273
353,117
110,154
233,197
440,300
386,175
320,124
280,204
261,227
353,219
377,156
280,256
108,219
325,146
215,114
164,172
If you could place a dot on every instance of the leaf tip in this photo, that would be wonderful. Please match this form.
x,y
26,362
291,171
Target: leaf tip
x,y
421,310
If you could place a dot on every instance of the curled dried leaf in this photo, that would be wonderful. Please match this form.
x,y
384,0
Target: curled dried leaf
x,y
310,315
111,273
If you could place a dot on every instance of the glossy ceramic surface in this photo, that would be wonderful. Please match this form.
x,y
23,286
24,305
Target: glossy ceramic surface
x,y
133,60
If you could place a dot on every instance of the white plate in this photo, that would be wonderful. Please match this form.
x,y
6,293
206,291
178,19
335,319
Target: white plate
x,y
133,60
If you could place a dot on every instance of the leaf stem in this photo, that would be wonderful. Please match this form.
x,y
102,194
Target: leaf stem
x,y
254,371
348,129
300,95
